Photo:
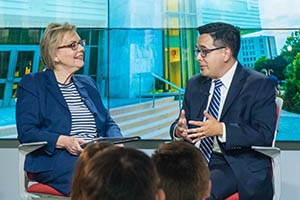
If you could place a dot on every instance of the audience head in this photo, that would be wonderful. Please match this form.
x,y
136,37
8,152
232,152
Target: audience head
x,y
118,173
89,151
223,34
183,171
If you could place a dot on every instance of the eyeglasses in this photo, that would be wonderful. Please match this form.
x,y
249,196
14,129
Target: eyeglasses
x,y
73,45
204,52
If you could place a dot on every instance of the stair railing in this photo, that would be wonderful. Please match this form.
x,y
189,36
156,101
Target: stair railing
x,y
180,90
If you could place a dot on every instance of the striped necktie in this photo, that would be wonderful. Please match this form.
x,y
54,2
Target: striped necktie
x,y
206,144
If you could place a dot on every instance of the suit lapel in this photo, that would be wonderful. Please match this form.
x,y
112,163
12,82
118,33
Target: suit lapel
x,y
52,87
82,90
235,88
204,86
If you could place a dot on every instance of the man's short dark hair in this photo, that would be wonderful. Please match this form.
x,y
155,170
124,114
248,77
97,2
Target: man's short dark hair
x,y
119,173
182,169
223,34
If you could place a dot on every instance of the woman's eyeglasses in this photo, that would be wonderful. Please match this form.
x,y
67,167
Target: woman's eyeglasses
x,y
73,45
204,52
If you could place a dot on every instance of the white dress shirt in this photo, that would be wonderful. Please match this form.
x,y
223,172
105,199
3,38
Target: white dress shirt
x,y
226,80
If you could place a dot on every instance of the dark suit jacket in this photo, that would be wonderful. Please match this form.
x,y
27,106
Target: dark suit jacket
x,y
249,114
42,114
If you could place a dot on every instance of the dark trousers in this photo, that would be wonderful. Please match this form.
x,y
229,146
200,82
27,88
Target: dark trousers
x,y
61,176
222,178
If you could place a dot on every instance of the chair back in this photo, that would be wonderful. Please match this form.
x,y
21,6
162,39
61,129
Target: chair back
x,y
274,153
279,103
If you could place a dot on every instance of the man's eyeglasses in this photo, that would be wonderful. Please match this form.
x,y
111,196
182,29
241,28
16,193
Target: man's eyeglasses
x,y
204,52
73,45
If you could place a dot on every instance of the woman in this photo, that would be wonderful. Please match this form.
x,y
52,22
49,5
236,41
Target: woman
x,y
61,108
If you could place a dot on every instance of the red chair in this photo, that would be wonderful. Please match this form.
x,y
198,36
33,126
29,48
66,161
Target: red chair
x,y
235,196
40,188
29,189
274,153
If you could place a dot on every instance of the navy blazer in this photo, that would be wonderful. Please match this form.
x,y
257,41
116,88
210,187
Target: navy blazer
x,y
42,114
249,114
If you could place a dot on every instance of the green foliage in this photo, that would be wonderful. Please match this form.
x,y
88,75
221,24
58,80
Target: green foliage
x,y
156,91
286,67
260,64
289,71
276,65
292,96
296,64
292,92
279,64
293,41
159,85
247,31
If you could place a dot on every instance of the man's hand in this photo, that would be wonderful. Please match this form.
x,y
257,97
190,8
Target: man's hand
x,y
210,127
181,127
71,144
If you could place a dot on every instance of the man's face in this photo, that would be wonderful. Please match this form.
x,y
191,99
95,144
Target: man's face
x,y
211,64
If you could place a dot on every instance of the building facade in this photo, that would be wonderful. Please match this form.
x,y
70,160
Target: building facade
x,y
127,40
253,48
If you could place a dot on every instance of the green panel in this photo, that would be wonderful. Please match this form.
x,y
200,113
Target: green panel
x,y
174,42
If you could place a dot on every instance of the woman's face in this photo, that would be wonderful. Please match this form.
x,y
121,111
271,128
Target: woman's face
x,y
69,55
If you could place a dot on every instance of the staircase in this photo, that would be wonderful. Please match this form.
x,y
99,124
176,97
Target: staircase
x,y
134,120
145,121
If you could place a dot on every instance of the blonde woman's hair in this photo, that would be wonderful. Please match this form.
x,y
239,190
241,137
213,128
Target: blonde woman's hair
x,y
51,38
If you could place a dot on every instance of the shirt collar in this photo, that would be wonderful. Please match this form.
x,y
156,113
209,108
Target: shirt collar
x,y
228,76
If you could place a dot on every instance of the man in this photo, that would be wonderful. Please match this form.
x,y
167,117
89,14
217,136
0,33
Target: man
x,y
182,170
275,81
230,108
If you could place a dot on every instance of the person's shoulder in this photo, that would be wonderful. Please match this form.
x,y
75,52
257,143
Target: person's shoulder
x,y
196,81
254,74
32,76
273,77
84,79
34,80
198,77
257,79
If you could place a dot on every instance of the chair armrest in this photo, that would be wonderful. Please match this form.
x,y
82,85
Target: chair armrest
x,y
27,148
272,152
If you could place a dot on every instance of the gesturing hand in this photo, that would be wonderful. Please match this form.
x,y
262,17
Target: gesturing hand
x,y
210,127
181,127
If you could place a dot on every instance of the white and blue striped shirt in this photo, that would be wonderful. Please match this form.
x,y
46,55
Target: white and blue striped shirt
x,y
83,122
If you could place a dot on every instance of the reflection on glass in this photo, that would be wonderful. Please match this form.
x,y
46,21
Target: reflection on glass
x,y
137,50
24,63
4,59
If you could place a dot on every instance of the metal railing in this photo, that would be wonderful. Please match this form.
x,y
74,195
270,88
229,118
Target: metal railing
x,y
154,95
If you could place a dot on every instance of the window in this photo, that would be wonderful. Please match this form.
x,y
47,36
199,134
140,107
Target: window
x,y
131,42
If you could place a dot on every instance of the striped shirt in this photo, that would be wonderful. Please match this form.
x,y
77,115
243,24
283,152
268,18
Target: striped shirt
x,y
83,122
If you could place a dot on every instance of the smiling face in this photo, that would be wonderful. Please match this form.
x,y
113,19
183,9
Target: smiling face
x,y
215,64
68,59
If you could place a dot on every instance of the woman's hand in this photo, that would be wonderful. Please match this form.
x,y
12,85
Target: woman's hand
x,y
71,144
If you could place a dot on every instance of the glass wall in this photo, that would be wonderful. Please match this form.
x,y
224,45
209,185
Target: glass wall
x,y
140,49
